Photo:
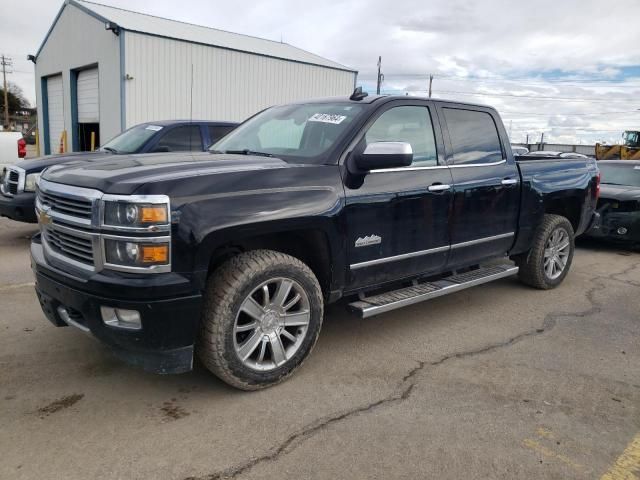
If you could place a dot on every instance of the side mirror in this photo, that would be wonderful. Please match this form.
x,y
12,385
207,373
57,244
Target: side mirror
x,y
162,149
379,155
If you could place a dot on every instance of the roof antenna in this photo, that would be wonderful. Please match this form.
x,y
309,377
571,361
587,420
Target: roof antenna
x,y
358,94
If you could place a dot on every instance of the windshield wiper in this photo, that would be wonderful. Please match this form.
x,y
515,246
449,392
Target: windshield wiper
x,y
246,151
110,149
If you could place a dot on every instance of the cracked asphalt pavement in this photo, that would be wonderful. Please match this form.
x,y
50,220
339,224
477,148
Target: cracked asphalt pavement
x,y
499,381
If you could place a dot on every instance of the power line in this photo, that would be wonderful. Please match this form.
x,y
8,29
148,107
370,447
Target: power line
x,y
534,97
513,95
542,82
571,114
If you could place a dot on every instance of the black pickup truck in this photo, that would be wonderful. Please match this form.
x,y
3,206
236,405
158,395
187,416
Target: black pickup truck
x,y
233,254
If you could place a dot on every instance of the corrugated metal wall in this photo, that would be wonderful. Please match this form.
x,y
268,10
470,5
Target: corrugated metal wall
x,y
227,85
79,41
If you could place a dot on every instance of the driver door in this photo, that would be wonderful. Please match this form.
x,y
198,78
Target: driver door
x,y
397,219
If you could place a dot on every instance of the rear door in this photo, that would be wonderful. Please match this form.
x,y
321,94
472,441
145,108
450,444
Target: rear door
x,y
486,184
397,224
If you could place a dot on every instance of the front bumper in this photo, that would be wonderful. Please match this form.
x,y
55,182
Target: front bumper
x,y
170,312
612,224
21,207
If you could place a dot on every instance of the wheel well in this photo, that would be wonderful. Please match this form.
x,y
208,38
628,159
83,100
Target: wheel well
x,y
309,246
566,207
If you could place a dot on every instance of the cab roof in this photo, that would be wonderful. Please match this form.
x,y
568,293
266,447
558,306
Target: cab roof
x,y
370,99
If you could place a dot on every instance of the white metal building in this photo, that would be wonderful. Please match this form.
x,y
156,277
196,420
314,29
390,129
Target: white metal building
x,y
105,69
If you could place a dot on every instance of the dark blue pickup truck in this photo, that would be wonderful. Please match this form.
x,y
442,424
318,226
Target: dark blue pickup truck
x,y
18,182
232,254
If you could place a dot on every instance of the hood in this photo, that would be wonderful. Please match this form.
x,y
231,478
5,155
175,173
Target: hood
x,y
36,165
619,192
123,174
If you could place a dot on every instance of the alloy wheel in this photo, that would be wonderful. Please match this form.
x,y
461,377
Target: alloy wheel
x,y
271,324
556,253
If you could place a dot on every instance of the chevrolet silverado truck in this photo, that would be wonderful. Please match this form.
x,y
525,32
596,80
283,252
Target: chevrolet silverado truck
x,y
18,181
232,254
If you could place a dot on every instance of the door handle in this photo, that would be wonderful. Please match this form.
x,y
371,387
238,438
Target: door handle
x,y
439,187
509,181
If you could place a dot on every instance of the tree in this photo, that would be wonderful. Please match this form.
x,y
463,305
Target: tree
x,y
17,101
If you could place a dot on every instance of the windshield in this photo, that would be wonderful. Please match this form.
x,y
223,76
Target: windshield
x,y
301,133
620,174
132,140
630,138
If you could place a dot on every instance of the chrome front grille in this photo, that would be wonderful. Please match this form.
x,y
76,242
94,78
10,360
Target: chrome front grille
x,y
68,218
66,205
12,182
70,243
74,233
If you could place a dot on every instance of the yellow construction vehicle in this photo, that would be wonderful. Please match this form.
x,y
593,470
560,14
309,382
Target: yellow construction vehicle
x,y
629,150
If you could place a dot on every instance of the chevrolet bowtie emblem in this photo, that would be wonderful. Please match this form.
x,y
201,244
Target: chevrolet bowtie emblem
x,y
44,218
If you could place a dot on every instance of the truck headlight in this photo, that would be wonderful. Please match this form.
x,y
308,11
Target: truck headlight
x,y
31,181
136,253
135,215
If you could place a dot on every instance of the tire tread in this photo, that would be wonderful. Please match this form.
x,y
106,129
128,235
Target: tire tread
x,y
218,300
530,272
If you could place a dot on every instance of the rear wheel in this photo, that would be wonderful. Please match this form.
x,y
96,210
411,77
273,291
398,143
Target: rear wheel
x,y
262,316
548,262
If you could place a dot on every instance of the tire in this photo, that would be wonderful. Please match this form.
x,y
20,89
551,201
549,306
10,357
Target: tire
x,y
532,265
231,323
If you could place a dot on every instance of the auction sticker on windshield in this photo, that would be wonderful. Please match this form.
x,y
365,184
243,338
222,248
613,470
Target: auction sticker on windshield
x,y
155,128
327,118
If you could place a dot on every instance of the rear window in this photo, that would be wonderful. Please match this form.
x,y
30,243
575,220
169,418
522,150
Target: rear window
x,y
474,136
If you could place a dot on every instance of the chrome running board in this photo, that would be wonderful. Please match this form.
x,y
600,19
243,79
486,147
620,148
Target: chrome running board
x,y
367,307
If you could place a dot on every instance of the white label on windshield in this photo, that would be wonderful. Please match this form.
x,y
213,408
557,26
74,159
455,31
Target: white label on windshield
x,y
155,128
637,168
327,118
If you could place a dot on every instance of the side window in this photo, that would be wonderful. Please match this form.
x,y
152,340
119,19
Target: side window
x,y
474,136
407,124
216,132
181,139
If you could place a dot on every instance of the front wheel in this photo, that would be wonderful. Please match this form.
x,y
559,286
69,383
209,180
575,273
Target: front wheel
x,y
262,316
550,257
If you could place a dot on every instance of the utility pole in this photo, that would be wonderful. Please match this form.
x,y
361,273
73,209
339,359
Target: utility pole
x,y
6,62
527,139
430,84
380,76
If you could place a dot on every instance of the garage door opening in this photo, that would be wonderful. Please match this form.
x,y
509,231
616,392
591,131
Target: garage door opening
x,y
84,136
88,108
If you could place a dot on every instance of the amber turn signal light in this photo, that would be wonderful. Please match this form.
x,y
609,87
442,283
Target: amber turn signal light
x,y
155,253
153,214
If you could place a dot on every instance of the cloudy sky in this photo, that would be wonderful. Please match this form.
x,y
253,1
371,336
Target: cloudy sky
x,y
568,68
